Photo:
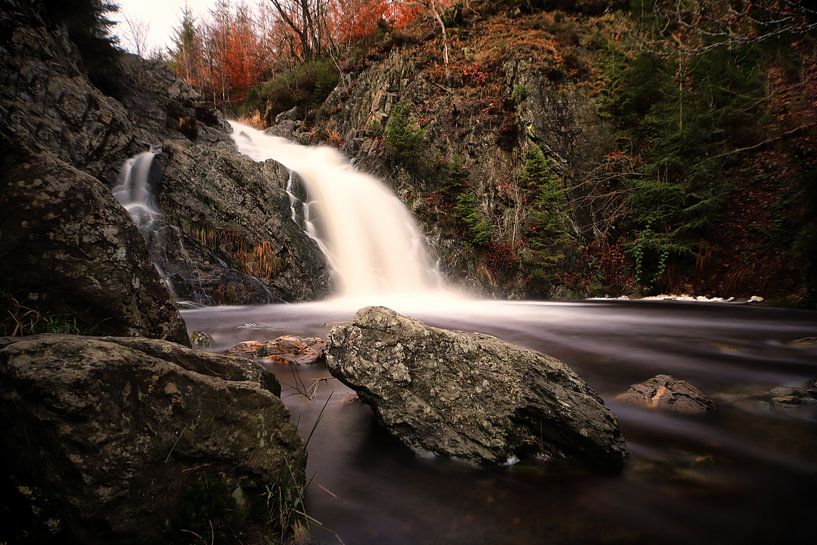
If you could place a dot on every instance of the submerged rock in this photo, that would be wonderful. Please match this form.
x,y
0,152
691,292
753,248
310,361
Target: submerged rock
x,y
799,402
667,392
122,440
804,342
200,338
287,349
469,395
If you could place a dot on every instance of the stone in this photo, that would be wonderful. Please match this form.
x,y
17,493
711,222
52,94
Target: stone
x,y
71,253
670,393
200,338
121,440
228,236
471,396
287,349
797,402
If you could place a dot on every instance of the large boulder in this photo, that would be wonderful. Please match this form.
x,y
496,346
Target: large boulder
x,y
470,395
71,258
121,440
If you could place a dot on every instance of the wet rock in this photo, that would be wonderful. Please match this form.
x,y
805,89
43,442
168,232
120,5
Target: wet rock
x,y
799,402
805,342
70,252
227,233
287,349
666,392
469,395
200,338
114,440
805,394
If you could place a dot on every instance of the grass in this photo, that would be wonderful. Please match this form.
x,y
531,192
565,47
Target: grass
x,y
21,320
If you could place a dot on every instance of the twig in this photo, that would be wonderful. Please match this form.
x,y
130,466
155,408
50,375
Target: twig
x,y
174,444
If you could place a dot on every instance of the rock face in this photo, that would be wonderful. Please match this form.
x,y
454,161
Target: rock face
x,y
72,253
225,235
119,440
228,235
286,349
469,395
666,392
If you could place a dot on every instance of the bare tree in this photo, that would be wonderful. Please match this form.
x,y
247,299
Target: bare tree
x,y
307,19
698,26
135,35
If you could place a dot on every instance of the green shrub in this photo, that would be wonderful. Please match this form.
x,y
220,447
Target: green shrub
x,y
404,142
304,86
683,133
478,230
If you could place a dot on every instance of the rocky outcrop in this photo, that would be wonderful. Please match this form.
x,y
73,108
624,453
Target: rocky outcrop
x,y
669,393
225,235
118,440
227,232
469,395
287,349
71,257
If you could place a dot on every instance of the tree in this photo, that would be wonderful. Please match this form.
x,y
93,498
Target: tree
x,y
136,35
307,20
186,53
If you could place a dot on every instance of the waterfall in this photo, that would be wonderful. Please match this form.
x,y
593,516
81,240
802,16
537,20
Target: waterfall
x,y
133,191
368,236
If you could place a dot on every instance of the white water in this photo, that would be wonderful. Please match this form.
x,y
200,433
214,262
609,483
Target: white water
x,y
368,236
133,192
132,189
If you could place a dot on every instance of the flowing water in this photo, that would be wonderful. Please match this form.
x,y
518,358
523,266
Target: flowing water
x,y
745,474
368,236
133,189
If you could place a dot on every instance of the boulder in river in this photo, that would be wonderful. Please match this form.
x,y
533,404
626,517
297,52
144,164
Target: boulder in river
x,y
128,440
471,396
287,349
667,392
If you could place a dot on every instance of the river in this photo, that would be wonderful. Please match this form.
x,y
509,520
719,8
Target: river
x,y
744,474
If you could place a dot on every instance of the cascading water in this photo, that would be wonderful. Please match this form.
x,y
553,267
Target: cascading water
x,y
133,189
368,236
134,192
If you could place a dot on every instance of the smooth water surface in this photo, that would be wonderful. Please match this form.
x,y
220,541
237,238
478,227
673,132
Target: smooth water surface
x,y
745,474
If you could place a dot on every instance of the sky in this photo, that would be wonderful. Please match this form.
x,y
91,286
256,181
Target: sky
x,y
160,16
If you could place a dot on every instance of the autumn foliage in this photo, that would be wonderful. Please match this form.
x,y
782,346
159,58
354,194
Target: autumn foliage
x,y
238,47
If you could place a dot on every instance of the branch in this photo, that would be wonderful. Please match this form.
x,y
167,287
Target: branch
x,y
768,141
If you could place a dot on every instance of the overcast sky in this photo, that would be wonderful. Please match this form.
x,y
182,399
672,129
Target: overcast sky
x,y
160,15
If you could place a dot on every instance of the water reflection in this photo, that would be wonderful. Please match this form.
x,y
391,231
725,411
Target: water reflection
x,y
737,476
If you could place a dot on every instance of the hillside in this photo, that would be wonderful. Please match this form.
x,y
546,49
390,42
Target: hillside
x,y
572,152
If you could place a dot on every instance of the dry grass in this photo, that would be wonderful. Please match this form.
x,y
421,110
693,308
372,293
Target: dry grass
x,y
254,120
